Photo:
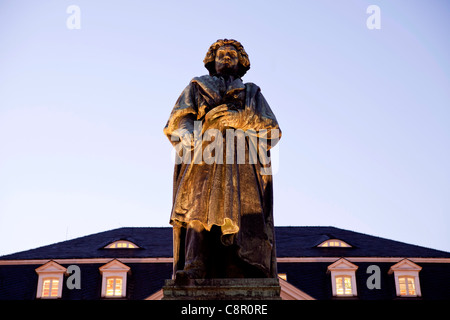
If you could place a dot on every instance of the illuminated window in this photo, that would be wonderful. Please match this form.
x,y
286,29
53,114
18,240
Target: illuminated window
x,y
122,244
282,276
114,287
343,279
406,286
344,286
50,288
334,243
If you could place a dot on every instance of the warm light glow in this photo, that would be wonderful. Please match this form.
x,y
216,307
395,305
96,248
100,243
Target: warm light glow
x,y
50,288
407,286
114,287
334,243
121,244
344,286
282,276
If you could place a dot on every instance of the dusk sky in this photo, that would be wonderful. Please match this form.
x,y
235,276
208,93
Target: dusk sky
x,y
365,113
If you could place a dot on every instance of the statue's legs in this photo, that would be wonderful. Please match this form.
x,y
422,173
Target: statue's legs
x,y
207,257
196,252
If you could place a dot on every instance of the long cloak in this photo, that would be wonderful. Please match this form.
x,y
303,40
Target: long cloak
x,y
236,196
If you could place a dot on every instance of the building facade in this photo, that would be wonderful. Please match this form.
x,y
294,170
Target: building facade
x,y
314,263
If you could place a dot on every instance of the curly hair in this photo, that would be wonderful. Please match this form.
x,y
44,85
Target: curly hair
x,y
209,61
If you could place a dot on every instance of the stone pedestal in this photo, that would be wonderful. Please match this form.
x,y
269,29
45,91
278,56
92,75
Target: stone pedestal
x,y
223,289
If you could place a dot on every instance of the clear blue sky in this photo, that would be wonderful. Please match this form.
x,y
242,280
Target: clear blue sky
x,y
365,114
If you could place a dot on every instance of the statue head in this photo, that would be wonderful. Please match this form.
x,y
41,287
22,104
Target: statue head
x,y
227,56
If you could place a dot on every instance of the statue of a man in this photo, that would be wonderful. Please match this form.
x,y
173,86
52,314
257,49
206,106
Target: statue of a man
x,y
222,212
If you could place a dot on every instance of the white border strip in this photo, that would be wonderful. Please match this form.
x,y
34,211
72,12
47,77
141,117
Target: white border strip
x,y
362,259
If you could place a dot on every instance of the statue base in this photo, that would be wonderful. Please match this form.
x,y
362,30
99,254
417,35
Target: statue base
x,y
223,289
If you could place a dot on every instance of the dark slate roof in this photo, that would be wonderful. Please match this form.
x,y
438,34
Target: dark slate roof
x,y
291,242
303,241
153,242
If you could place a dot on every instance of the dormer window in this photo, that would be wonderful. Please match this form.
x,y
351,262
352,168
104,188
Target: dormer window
x,y
334,243
50,280
406,274
343,279
122,244
114,279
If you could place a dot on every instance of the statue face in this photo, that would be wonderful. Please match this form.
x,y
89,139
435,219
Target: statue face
x,y
227,60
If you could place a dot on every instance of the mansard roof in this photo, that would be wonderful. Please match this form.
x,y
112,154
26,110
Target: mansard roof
x,y
291,242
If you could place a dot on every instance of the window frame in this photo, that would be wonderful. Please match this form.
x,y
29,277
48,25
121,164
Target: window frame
x,y
408,269
50,270
114,245
114,269
50,288
342,282
342,244
407,288
114,286
343,268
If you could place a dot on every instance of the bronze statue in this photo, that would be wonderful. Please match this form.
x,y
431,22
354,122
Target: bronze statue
x,y
222,212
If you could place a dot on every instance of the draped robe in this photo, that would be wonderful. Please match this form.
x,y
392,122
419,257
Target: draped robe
x,y
235,196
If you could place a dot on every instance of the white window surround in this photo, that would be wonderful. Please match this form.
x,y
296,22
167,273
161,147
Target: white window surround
x,y
334,243
50,270
406,268
114,268
122,244
343,268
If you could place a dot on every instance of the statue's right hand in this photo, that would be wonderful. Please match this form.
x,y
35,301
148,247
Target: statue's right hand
x,y
187,139
216,112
